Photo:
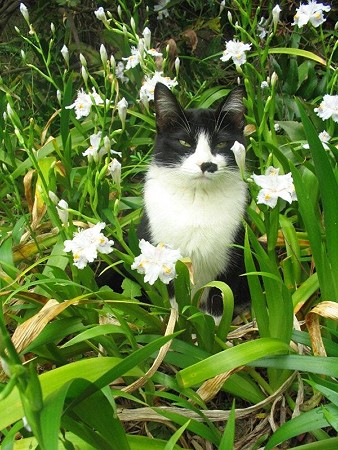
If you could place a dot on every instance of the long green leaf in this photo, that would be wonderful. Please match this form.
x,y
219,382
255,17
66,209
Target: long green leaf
x,y
91,369
328,187
229,359
309,421
315,236
297,52
313,364
227,441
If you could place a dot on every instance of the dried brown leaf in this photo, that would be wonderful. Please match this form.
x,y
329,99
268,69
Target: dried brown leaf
x,y
326,309
26,332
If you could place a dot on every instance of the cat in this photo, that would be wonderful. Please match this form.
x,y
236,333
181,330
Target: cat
x,y
194,195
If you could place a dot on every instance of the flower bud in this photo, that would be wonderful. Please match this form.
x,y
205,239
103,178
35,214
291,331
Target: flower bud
x,y
177,65
275,15
122,110
52,28
65,54
147,37
58,96
10,111
24,12
55,199
84,74
62,210
112,62
274,79
103,54
83,60
239,152
100,14
132,24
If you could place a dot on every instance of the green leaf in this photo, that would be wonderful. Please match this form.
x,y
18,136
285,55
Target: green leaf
x,y
131,289
228,438
297,52
315,236
306,422
229,359
328,186
90,369
313,364
94,332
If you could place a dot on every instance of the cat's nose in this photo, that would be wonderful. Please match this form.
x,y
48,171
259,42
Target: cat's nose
x,y
209,167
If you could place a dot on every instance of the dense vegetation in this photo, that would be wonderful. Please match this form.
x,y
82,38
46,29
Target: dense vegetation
x,y
88,366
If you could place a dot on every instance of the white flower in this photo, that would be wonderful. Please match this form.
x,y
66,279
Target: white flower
x,y
328,108
264,85
239,152
312,12
122,106
114,170
161,9
24,12
83,103
95,97
274,186
324,137
134,59
87,243
156,262
148,88
235,50
275,14
94,151
119,72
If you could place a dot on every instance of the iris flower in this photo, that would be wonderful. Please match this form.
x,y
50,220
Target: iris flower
x,y
86,244
236,51
274,186
312,12
156,262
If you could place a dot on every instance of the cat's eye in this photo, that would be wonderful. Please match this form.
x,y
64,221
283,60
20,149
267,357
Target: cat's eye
x,y
221,145
184,143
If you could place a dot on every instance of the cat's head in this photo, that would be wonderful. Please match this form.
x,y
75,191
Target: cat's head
x,y
197,142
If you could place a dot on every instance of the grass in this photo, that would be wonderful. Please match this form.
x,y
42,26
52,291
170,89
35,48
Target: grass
x,y
89,366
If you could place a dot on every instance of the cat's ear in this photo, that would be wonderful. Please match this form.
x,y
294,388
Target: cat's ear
x,y
233,107
167,108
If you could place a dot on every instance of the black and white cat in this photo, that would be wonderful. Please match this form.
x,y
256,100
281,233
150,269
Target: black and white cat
x,y
194,196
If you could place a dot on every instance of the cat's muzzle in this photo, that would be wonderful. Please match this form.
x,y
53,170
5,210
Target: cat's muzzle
x,y
209,167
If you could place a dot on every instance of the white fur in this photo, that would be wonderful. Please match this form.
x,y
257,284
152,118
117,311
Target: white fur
x,y
195,212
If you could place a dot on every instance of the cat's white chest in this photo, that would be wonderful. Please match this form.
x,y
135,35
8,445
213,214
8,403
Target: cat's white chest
x,y
198,218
